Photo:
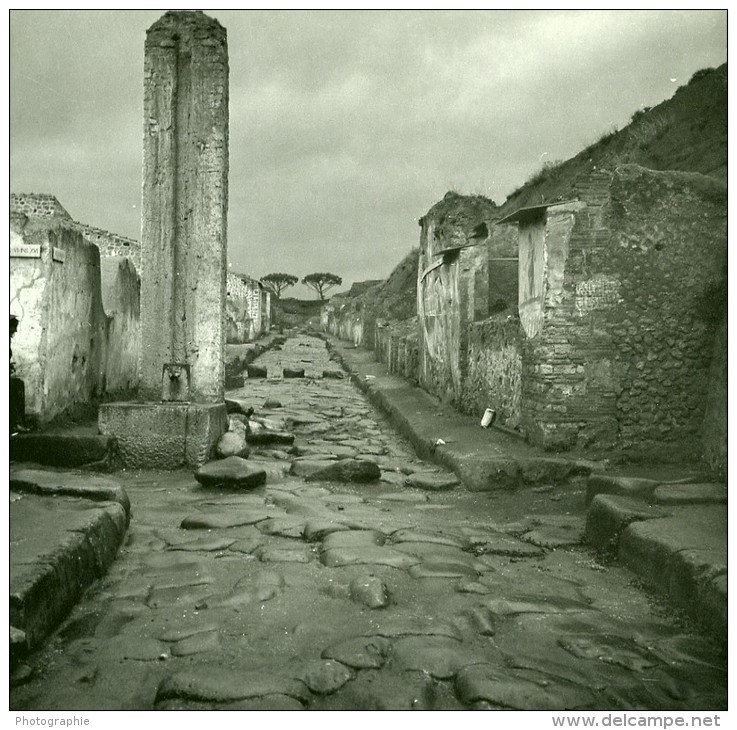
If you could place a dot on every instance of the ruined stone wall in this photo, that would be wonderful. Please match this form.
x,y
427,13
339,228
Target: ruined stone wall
x,y
621,354
37,205
494,374
450,290
717,405
247,309
65,339
111,244
121,293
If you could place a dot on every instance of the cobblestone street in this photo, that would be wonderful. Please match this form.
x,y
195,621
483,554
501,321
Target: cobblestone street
x,y
403,592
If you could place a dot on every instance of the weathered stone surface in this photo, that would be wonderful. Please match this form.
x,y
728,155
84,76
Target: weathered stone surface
x,y
207,544
439,538
232,443
353,539
555,533
213,683
293,373
623,486
317,529
674,494
286,526
442,569
438,656
272,403
334,374
363,652
370,591
224,520
267,437
609,514
409,497
197,644
306,467
268,554
326,676
368,555
232,473
432,482
347,470
409,626
508,690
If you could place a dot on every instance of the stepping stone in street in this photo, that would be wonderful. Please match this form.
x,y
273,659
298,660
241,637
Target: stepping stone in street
x,y
225,520
256,371
368,555
272,403
325,676
363,652
293,373
432,482
347,471
333,374
230,473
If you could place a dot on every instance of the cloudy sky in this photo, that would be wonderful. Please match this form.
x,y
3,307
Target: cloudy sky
x,y
345,126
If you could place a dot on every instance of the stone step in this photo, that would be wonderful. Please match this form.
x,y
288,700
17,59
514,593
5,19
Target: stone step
x,y
64,450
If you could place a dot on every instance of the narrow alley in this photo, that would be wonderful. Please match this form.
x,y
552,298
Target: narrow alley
x,y
390,587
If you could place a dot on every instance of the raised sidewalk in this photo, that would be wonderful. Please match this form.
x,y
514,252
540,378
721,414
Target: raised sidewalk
x,y
669,528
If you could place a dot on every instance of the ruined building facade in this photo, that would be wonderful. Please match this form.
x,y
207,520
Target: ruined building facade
x,y
78,308
594,322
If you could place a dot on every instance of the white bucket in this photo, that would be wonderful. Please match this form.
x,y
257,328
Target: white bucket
x,y
489,417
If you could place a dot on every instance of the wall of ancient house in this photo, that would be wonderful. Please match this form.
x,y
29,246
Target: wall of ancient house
x,y
111,244
452,288
717,404
494,372
64,335
620,355
37,205
121,295
247,309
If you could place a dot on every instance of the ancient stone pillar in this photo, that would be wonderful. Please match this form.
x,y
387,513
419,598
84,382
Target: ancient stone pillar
x,y
185,203
180,413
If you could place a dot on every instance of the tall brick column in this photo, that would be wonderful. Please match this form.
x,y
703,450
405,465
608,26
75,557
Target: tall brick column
x,y
181,413
185,202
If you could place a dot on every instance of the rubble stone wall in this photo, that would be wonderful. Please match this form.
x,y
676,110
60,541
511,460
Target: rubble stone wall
x,y
626,338
37,205
494,376
111,244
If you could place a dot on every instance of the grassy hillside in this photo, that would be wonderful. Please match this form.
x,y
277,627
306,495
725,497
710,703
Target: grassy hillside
x,y
687,132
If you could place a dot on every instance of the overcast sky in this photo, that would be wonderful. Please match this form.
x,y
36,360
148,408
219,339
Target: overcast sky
x,y
345,126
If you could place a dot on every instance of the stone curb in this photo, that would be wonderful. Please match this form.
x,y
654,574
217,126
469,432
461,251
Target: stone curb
x,y
681,551
476,472
68,531
64,450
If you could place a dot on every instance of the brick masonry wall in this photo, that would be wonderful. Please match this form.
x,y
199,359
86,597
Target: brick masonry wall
x,y
494,376
627,338
111,244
